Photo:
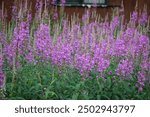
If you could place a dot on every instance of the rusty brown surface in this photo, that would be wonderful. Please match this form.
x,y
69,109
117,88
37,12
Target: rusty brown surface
x,y
129,6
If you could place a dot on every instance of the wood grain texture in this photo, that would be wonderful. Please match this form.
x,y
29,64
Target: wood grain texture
x,y
129,6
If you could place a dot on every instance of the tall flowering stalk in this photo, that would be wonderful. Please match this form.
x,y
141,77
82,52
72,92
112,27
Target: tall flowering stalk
x,y
2,75
3,40
43,42
143,19
125,68
62,2
84,63
141,81
61,55
19,43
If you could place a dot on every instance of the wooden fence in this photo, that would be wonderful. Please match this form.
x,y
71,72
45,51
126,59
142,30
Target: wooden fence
x,y
129,6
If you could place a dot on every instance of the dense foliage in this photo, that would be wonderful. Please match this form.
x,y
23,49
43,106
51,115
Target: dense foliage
x,y
47,57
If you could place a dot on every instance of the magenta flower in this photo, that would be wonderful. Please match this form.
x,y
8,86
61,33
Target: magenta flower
x,y
143,19
29,57
103,64
141,80
84,63
114,23
2,76
62,54
125,68
120,48
62,2
3,38
134,17
38,4
19,44
1,61
43,42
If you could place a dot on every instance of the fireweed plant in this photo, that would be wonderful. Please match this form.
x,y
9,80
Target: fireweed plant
x,y
46,57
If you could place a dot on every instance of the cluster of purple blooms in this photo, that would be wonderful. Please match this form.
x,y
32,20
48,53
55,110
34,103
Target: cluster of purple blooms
x,y
84,63
43,42
125,68
86,47
19,44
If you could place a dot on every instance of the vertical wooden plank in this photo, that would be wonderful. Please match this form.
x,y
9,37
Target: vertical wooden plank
x,y
129,6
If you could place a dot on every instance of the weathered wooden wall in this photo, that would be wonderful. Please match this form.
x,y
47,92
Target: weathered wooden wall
x,y
129,6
